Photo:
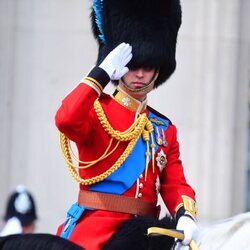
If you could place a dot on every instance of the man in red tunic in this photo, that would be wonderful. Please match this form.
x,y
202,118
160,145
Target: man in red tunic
x,y
128,153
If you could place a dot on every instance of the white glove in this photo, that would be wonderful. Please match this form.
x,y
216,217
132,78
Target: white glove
x,y
189,228
180,246
115,62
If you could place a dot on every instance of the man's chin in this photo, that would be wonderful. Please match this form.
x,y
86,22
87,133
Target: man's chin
x,y
135,88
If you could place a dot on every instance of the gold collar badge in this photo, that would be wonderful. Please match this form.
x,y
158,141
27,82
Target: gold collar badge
x,y
129,102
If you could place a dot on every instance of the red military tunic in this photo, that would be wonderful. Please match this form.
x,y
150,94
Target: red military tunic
x,y
77,119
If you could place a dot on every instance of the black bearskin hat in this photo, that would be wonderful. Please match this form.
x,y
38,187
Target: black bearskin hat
x,y
22,206
150,26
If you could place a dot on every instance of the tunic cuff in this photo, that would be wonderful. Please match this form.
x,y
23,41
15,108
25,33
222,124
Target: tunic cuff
x,y
187,207
98,77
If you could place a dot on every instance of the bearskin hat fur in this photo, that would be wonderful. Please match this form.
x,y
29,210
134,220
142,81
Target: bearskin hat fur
x,y
132,235
21,205
150,26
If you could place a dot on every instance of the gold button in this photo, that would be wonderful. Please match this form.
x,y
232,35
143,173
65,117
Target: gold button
x,y
139,195
141,185
141,176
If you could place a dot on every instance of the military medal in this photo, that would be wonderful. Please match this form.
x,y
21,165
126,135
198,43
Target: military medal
x,y
158,136
161,160
164,142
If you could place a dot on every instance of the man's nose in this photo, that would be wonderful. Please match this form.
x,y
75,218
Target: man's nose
x,y
139,73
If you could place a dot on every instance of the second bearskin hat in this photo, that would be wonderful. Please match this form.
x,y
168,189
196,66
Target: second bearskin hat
x,y
22,206
150,26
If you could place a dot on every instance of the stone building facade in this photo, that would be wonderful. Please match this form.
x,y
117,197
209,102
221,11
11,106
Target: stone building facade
x,y
46,47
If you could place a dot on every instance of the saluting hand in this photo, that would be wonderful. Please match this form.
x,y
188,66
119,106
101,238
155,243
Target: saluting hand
x,y
115,62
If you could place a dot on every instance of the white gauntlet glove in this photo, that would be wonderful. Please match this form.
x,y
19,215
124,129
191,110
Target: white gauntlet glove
x,y
115,62
189,228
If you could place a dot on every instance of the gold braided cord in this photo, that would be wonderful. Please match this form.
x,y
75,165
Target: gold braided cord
x,y
149,126
146,134
147,161
65,149
150,129
141,126
136,128
153,151
91,163
132,135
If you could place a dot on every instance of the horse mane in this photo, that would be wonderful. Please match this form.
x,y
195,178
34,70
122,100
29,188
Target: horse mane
x,y
36,242
227,234
132,235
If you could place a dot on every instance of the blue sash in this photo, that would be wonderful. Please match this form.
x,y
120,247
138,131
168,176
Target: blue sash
x,y
119,181
125,176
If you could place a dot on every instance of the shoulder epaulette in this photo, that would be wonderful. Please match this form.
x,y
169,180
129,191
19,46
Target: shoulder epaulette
x,y
159,114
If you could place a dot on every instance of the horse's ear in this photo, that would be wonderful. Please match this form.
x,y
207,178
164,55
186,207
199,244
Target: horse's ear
x,y
132,235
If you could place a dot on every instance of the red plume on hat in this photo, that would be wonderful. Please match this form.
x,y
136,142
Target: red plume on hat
x,y
150,26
